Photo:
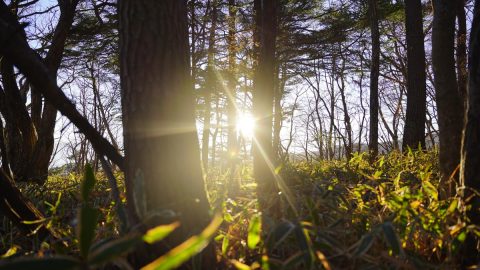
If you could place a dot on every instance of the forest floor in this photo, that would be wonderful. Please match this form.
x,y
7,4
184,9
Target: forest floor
x,y
348,215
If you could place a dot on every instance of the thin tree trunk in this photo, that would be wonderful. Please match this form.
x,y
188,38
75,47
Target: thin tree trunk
x,y
374,73
210,84
232,140
19,53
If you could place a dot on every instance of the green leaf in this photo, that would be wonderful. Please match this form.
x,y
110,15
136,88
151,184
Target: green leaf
x,y
113,249
392,238
452,207
254,229
86,228
225,244
181,253
10,252
240,265
430,189
365,244
160,232
88,183
278,169
51,263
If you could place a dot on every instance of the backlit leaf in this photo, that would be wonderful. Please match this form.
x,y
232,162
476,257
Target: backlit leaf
x,y
254,229
160,232
183,252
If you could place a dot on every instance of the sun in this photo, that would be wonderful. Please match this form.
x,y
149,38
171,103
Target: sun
x,y
246,125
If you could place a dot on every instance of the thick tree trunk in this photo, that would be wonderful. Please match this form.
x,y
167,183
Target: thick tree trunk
x,y
374,73
469,172
163,172
263,95
449,101
414,132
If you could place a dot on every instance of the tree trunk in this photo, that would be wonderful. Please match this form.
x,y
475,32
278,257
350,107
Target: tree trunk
x,y
469,172
232,141
374,73
163,171
449,102
414,131
462,73
46,125
210,85
263,95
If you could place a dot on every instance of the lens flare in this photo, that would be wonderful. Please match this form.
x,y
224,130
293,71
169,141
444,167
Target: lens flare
x,y
246,125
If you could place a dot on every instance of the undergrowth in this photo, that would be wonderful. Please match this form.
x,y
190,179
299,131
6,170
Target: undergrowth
x,y
346,215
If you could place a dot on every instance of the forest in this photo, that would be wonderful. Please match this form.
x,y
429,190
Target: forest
x,y
239,134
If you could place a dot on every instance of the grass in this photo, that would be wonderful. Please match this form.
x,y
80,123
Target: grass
x,y
350,215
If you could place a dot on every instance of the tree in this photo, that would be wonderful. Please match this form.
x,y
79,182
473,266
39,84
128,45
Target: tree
x,y
30,139
414,133
449,101
470,162
263,95
210,85
16,51
461,52
163,175
232,148
374,73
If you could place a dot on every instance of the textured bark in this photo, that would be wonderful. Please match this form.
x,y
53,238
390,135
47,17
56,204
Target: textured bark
x,y
374,73
163,172
19,209
20,133
263,95
16,50
469,172
449,102
462,72
414,131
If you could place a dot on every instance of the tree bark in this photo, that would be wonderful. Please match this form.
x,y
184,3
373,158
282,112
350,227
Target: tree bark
x,y
16,50
374,74
414,131
263,95
18,209
163,175
462,72
449,101
470,162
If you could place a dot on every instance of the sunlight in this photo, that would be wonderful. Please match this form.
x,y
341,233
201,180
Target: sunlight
x,y
246,125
